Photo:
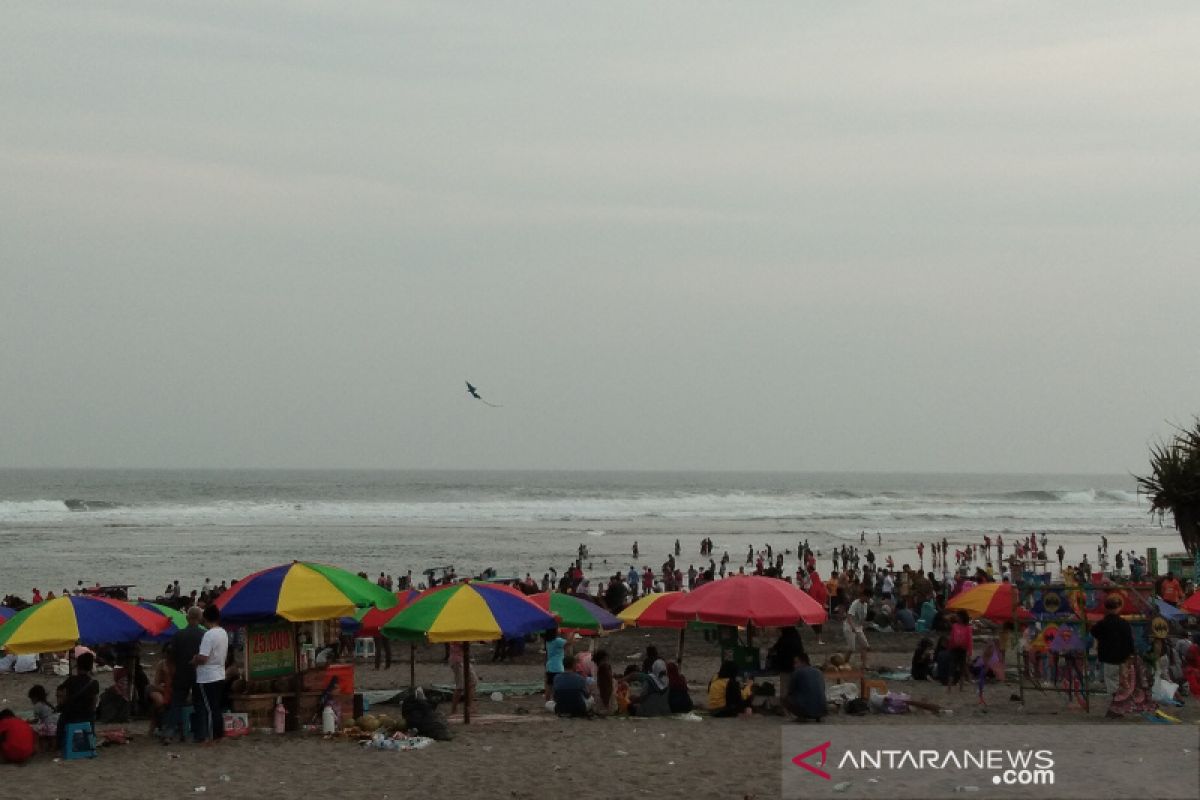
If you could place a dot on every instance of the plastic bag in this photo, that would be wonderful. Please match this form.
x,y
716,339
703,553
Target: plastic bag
x,y
1164,690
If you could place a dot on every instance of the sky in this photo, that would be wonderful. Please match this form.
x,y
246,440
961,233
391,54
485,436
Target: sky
x,y
779,236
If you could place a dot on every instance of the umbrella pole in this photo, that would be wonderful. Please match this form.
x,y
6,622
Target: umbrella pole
x,y
466,683
679,647
412,665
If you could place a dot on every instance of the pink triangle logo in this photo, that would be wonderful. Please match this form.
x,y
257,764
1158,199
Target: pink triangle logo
x,y
801,760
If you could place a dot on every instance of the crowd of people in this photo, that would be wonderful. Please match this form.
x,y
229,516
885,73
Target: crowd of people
x,y
863,595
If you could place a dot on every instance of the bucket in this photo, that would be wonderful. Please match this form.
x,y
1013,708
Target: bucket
x,y
345,675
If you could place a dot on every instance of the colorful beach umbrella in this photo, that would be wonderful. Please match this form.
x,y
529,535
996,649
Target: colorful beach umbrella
x,y
575,614
469,612
368,621
1192,604
177,621
749,600
59,624
650,611
6,613
300,592
993,601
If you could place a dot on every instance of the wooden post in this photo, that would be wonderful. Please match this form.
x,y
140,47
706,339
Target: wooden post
x,y
466,683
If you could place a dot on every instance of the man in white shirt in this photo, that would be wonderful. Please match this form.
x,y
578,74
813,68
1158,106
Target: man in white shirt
x,y
210,678
854,626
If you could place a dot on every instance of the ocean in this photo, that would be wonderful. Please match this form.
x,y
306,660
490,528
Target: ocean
x,y
148,527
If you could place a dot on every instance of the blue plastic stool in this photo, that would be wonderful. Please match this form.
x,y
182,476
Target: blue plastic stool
x,y
79,741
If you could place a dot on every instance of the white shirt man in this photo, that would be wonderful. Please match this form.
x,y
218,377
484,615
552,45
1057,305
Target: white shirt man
x,y
210,677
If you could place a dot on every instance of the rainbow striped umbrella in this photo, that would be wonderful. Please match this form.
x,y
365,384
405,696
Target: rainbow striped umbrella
x,y
469,612
63,622
650,611
177,621
368,621
994,601
574,614
6,613
300,592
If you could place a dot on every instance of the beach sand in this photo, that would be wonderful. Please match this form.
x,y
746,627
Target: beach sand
x,y
503,755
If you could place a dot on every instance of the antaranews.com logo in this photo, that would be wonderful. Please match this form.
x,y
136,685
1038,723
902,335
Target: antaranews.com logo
x,y
1023,767
896,760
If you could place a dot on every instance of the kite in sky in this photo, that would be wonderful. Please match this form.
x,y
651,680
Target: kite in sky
x,y
471,390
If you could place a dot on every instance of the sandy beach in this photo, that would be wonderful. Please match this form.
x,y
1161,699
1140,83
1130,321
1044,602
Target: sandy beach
x,y
507,753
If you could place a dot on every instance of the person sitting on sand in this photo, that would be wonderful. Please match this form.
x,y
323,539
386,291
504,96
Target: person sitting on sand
x,y
805,698
18,741
679,699
44,720
922,661
604,681
726,697
571,696
943,660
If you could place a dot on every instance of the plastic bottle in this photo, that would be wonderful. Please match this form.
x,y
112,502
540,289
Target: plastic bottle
x,y
328,720
280,715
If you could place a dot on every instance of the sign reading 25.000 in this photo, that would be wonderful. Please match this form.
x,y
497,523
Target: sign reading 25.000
x,y
271,650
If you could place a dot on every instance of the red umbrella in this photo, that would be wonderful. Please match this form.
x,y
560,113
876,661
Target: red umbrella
x,y
1192,604
376,618
749,599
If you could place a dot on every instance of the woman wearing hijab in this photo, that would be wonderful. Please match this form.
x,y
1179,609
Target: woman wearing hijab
x,y
678,698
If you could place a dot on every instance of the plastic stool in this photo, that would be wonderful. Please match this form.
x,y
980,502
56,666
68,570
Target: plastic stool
x,y
79,741
364,649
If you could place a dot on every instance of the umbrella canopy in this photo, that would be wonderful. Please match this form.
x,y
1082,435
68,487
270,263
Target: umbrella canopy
x,y
6,613
368,621
177,621
994,601
1192,604
749,599
574,614
469,612
60,623
300,592
651,611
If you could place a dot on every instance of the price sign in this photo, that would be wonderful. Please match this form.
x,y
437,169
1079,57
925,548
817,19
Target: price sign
x,y
271,650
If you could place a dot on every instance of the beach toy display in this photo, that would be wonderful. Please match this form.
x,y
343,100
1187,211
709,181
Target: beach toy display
x,y
61,623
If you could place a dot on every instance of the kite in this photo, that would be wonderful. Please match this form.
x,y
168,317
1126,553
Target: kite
x,y
471,390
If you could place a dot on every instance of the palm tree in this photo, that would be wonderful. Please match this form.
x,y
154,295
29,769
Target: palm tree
x,y
1174,483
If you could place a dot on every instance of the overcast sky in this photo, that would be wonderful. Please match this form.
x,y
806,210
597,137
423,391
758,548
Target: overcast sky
x,y
830,236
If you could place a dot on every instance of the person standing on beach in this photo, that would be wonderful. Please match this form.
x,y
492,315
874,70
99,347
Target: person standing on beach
x,y
854,627
182,650
1061,553
556,648
210,677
